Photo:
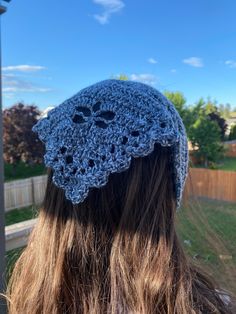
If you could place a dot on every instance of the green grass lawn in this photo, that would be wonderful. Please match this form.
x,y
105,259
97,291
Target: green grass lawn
x,y
228,163
23,171
12,217
206,229
18,215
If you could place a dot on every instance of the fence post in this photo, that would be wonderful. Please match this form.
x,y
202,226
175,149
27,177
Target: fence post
x,y
3,304
32,190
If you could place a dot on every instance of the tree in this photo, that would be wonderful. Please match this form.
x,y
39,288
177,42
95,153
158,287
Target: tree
x,y
209,108
123,77
232,134
214,116
225,110
178,99
204,125
206,137
213,112
19,141
185,112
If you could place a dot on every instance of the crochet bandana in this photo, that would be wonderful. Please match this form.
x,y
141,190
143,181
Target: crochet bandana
x,y
99,130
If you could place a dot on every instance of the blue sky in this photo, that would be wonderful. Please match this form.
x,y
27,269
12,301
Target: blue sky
x,y
52,49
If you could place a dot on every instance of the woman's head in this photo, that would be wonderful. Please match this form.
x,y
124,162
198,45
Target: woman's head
x,y
147,184
116,251
110,252
99,130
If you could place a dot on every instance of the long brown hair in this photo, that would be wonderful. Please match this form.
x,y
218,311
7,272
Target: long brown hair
x,y
117,252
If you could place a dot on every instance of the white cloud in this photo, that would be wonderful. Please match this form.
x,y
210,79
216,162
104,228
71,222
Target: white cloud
x,y
102,19
45,111
144,78
8,95
152,60
173,70
27,89
194,62
23,68
14,84
109,7
6,75
231,63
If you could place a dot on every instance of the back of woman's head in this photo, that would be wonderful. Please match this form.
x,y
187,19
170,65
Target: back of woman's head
x,y
116,251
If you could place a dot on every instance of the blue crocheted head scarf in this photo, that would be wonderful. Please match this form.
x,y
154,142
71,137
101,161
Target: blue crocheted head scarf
x,y
100,129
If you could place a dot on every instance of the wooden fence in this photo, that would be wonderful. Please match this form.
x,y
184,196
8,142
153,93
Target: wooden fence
x,y
22,193
213,184
231,148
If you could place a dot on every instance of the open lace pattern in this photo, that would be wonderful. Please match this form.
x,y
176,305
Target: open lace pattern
x,y
99,130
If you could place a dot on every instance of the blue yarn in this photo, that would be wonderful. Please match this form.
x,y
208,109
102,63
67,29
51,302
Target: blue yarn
x,y
99,130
